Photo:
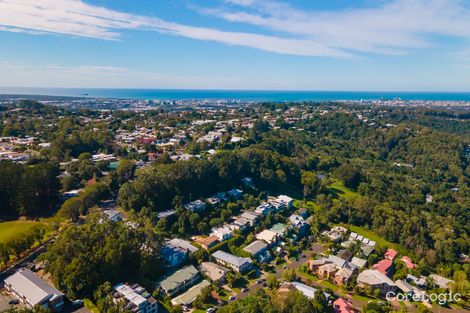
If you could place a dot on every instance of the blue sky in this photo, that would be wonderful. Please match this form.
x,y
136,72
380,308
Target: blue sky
x,y
396,45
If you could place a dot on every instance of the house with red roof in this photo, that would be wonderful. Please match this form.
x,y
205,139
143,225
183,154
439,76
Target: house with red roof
x,y
383,266
390,254
408,262
343,306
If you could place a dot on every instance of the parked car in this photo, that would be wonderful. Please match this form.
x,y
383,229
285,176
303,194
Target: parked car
x,y
210,310
231,298
244,289
77,303
14,301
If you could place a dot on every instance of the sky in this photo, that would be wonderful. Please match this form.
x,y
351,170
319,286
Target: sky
x,y
362,45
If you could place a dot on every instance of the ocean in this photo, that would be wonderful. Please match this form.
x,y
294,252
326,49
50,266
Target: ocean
x,y
243,95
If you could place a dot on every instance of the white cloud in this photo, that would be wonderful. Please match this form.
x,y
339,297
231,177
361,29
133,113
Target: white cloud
x,y
74,17
392,27
91,76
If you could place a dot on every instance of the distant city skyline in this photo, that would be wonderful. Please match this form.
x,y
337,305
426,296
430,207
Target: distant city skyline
x,y
365,45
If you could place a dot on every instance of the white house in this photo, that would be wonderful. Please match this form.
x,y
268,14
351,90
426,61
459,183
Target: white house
x,y
236,263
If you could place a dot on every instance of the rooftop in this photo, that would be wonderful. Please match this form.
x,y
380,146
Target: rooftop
x,y
230,258
255,247
30,286
179,277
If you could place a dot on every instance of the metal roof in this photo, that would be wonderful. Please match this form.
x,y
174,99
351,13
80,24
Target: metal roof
x,y
31,287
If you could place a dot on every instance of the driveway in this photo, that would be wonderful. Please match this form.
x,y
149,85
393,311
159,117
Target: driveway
x,y
4,298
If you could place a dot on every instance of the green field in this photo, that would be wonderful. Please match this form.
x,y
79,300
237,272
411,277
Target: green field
x,y
14,229
337,188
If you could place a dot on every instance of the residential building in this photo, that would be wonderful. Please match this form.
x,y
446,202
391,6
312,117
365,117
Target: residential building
x,y
342,276
420,282
113,215
264,209
32,291
207,242
406,288
258,250
384,266
375,280
187,298
306,290
358,262
247,181
251,217
298,222
214,272
236,263
195,206
337,261
288,201
222,196
313,265
327,271
335,234
408,262
179,280
173,255
367,250
235,194
343,306
223,233
183,244
268,236
135,298
390,254
441,281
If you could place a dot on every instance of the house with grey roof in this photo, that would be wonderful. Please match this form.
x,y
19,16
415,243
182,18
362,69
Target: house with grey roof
x,y
179,280
238,264
187,298
33,291
360,263
375,280
258,250
441,281
183,244
252,217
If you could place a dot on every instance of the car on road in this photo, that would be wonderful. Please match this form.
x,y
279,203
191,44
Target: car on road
x,y
259,281
244,289
13,301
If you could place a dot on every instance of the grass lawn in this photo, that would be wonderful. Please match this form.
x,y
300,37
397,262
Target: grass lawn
x,y
14,229
338,188
361,298
223,294
306,275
